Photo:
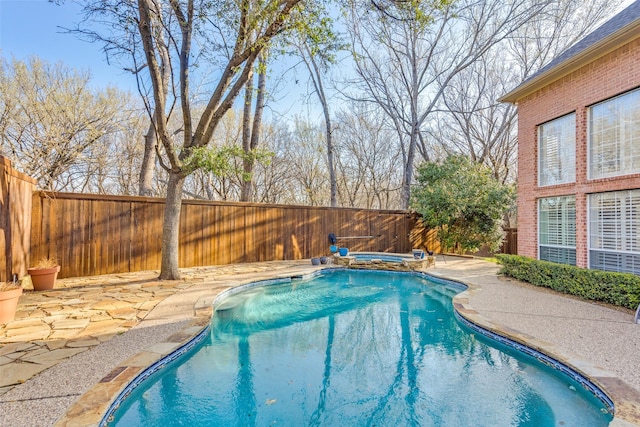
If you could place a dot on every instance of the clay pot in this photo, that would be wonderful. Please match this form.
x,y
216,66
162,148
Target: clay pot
x,y
43,279
9,304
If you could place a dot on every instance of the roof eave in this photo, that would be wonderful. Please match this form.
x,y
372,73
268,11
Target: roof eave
x,y
597,50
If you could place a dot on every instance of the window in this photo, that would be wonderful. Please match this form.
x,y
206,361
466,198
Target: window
x,y
557,151
614,231
614,136
557,229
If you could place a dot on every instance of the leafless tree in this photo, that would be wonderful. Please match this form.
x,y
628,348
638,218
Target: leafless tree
x,y
475,122
113,24
273,180
367,164
51,120
316,44
406,56
306,158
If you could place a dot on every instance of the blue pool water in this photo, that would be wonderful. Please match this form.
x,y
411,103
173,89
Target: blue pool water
x,y
381,257
354,348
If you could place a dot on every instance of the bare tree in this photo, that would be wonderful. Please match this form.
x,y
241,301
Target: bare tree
x,y
112,23
306,162
316,44
50,119
273,181
475,123
113,165
405,56
367,166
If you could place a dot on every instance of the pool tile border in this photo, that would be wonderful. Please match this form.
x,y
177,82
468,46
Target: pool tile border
x,y
538,355
184,348
155,367
543,358
98,405
622,400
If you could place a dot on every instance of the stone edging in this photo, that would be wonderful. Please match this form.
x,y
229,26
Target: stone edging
x,y
92,406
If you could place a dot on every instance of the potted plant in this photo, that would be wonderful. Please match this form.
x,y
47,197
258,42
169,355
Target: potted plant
x,y
9,295
43,274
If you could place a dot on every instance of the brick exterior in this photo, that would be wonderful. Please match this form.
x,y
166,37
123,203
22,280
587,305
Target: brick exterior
x,y
608,76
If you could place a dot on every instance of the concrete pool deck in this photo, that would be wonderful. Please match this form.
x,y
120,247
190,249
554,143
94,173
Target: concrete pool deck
x,y
69,350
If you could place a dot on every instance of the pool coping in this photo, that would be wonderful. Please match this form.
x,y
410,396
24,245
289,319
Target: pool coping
x,y
98,403
625,399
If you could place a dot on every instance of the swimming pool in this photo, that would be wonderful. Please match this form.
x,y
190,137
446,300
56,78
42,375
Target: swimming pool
x,y
354,348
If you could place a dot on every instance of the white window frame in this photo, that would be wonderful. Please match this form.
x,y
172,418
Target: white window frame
x,y
565,152
622,245
568,232
627,145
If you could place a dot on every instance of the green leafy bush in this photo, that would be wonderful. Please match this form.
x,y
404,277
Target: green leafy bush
x,y
463,201
622,289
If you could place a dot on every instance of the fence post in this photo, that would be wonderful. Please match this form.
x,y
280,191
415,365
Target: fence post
x,y
16,189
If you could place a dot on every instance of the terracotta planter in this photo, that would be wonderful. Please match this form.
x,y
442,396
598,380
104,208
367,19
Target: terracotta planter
x,y
9,304
43,279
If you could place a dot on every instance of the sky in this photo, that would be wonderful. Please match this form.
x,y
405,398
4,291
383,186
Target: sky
x,y
32,27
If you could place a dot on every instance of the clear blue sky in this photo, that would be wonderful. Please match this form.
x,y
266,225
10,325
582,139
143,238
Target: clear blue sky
x,y
31,27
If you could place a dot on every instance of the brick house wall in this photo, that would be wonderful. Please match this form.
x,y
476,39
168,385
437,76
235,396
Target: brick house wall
x,y
605,77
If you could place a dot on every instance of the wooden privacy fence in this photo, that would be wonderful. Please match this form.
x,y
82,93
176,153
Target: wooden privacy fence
x,y
94,234
510,242
15,220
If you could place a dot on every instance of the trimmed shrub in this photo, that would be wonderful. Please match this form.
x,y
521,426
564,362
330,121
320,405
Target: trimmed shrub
x,y
621,289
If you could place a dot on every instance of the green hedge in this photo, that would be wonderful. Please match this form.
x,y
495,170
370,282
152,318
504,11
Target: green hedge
x,y
622,289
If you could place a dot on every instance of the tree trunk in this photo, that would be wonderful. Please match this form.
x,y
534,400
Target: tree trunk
x,y
332,170
245,192
171,227
145,183
316,76
407,175
254,135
